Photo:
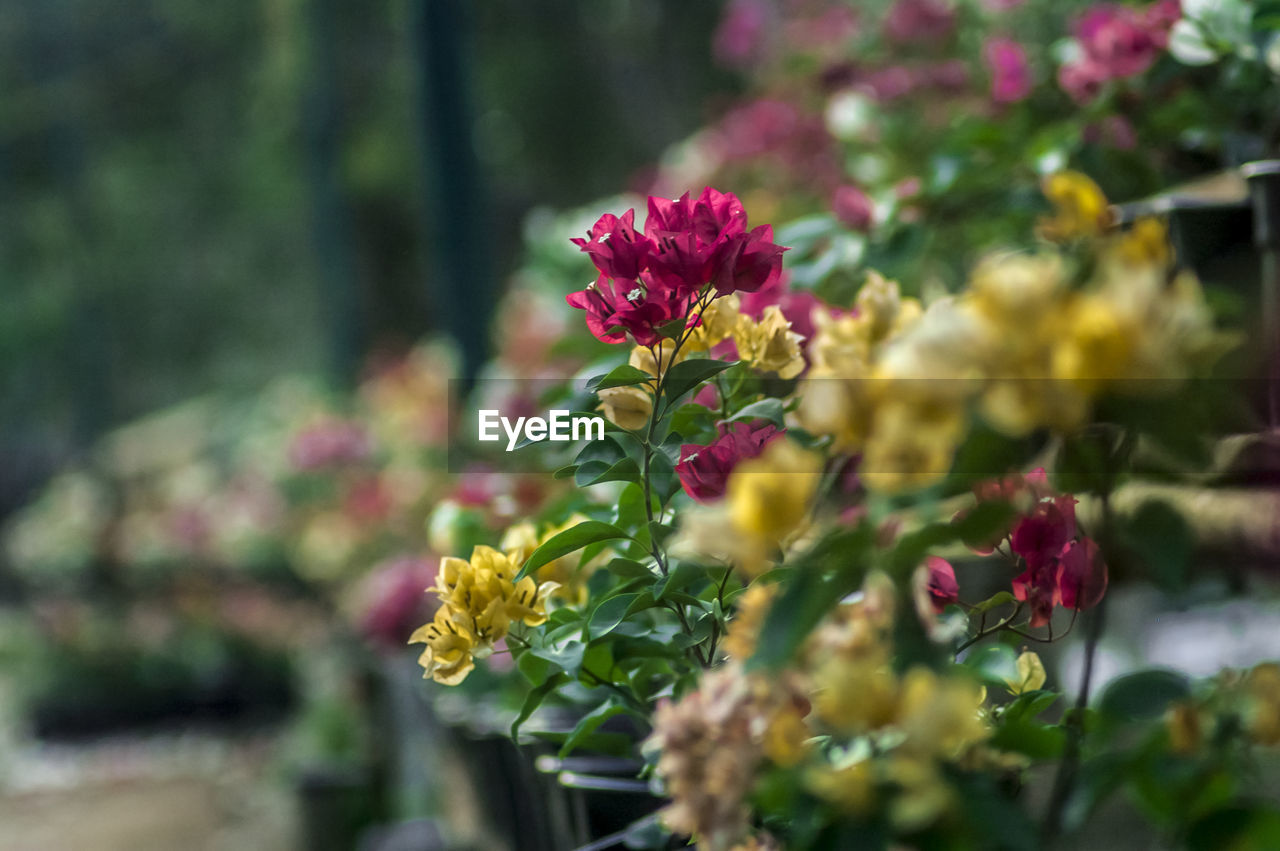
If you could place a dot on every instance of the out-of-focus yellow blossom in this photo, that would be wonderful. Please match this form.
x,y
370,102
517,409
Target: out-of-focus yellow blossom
x,y
447,658
480,600
941,715
1030,676
626,407
748,618
911,443
1186,730
768,496
1095,344
769,344
1262,703
882,310
1018,289
1146,244
849,784
664,354
522,539
922,793
719,320
1080,210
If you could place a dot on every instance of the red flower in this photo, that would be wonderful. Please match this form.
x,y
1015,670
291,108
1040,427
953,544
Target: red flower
x,y
704,470
1083,579
616,308
615,247
649,279
1040,537
1117,42
943,588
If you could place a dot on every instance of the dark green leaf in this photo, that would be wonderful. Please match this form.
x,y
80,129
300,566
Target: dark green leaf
x,y
589,723
534,700
1163,540
1143,695
609,614
624,375
688,374
765,409
570,540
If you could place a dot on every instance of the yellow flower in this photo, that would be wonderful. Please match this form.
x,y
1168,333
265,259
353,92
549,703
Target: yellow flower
x,y
912,443
648,361
1080,208
1262,719
481,595
1031,675
1095,345
1144,244
447,658
769,345
719,319
850,786
626,407
1017,291
941,715
748,618
768,496
1185,728
856,696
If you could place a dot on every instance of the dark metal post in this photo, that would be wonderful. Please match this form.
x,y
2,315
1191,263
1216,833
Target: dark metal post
x,y
1264,189
461,287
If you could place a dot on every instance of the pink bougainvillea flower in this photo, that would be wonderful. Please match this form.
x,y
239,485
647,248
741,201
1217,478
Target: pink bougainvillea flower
x,y
911,21
615,247
1040,536
853,208
943,588
1038,586
1010,73
704,470
1083,578
616,308
749,262
648,279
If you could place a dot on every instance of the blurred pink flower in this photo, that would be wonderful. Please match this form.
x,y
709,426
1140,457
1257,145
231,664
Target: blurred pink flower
x,y
853,208
1116,42
329,442
392,600
943,588
911,21
1114,131
741,39
1010,73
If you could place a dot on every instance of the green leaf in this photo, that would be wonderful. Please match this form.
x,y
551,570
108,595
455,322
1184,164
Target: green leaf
x,y
672,328
565,654
628,568
688,374
1143,695
565,472
681,576
1163,540
590,722
1028,705
534,667
624,375
1037,741
625,470
570,540
533,700
995,601
608,615
996,664
765,409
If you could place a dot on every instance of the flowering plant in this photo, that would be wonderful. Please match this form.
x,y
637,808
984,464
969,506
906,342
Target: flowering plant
x,y
791,568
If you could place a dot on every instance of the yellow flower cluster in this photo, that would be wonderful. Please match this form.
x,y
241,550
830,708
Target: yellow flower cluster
x,y
480,600
902,728
767,344
1251,700
1031,341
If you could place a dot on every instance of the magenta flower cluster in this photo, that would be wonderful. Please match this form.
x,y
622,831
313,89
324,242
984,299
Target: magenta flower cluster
x,y
648,279
1117,42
